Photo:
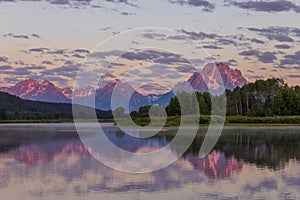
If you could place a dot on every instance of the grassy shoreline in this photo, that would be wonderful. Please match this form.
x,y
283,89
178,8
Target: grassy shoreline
x,y
48,121
204,121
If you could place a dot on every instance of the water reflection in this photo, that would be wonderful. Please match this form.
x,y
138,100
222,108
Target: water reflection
x,y
216,165
59,165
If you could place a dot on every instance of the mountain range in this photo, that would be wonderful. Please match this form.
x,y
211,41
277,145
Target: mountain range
x,y
46,91
31,89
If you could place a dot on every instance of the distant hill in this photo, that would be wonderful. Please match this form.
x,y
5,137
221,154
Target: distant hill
x,y
13,103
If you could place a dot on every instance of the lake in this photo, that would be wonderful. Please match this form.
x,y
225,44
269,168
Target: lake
x,y
49,161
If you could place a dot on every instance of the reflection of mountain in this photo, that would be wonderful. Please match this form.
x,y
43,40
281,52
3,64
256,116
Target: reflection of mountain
x,y
216,165
256,148
55,159
46,152
69,164
266,147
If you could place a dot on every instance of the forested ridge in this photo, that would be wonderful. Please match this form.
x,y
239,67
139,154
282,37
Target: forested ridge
x,y
15,108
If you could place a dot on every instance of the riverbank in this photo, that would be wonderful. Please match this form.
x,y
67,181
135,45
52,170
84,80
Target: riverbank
x,y
232,121
49,121
204,121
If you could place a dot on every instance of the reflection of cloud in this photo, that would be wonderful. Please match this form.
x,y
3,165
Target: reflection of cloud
x,y
214,165
3,59
47,62
294,76
69,161
292,181
56,168
265,185
5,67
36,67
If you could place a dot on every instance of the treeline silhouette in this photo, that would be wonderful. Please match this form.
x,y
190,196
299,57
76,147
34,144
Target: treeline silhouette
x,y
271,97
263,98
15,108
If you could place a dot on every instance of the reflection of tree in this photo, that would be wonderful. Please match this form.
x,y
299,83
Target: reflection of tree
x,y
271,148
265,148
2,114
215,165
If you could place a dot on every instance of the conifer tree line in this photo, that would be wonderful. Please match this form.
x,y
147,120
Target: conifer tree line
x,y
271,97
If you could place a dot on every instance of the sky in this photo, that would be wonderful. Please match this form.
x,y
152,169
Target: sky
x,y
53,39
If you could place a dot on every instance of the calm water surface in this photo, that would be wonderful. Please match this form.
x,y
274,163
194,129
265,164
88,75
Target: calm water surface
x,y
48,161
